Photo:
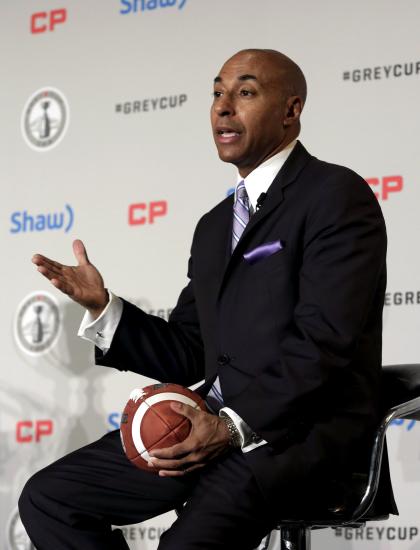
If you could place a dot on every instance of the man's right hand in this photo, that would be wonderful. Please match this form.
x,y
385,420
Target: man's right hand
x,y
83,283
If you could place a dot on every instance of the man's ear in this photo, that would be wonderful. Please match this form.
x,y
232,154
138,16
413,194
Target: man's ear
x,y
292,111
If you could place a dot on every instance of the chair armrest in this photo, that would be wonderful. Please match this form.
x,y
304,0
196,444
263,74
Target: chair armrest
x,y
409,410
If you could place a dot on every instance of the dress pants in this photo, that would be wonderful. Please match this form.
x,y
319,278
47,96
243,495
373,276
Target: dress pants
x,y
72,503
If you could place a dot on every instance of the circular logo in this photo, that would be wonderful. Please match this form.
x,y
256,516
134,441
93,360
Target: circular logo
x,y
37,323
45,119
17,537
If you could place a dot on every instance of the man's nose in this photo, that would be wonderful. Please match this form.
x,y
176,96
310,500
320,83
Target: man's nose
x,y
224,106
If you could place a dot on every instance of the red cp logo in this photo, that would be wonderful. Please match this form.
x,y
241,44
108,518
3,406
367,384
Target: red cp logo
x,y
44,21
142,212
33,430
386,186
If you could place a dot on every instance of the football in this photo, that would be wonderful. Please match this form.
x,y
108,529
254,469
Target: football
x,y
148,421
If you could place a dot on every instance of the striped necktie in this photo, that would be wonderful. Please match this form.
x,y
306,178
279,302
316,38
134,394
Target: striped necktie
x,y
240,220
240,213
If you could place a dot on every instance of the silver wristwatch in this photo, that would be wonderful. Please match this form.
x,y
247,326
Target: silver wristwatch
x,y
235,436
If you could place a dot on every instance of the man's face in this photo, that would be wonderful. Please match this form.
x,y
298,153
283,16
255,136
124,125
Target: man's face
x,y
248,111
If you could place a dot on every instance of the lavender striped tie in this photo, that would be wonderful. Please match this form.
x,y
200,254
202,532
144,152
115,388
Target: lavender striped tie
x,y
240,213
240,220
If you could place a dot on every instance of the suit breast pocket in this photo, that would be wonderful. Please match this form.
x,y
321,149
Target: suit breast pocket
x,y
280,260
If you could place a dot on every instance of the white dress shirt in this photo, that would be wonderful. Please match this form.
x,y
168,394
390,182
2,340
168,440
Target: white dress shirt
x,y
101,331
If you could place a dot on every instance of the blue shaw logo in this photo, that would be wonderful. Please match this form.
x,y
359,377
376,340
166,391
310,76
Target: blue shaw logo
x,y
23,222
134,6
114,420
408,424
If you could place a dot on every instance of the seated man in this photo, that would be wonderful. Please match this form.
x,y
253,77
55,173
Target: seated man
x,y
282,317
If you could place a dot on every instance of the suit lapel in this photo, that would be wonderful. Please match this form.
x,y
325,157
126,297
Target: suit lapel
x,y
218,245
289,172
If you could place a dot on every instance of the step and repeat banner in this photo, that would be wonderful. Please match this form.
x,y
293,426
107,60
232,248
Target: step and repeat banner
x,y
105,136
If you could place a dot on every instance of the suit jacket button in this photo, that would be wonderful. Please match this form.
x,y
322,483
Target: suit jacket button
x,y
223,360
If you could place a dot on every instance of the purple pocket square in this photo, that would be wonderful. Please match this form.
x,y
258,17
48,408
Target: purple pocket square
x,y
263,251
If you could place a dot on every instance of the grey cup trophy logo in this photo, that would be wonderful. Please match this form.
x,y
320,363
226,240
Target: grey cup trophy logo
x,y
45,119
16,534
37,323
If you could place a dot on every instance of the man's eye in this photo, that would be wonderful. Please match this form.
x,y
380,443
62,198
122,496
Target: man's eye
x,y
246,93
217,94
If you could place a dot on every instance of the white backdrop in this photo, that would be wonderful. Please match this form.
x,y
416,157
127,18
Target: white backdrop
x,y
104,104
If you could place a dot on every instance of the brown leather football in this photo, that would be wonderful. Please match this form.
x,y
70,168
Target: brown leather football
x,y
148,421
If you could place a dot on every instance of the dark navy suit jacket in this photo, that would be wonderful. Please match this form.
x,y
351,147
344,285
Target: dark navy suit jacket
x,y
294,337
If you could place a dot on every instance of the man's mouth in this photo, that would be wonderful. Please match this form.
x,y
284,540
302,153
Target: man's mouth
x,y
227,135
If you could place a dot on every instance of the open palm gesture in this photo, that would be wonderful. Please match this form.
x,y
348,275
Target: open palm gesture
x,y
83,282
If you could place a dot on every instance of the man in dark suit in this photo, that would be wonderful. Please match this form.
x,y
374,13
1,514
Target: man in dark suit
x,y
282,317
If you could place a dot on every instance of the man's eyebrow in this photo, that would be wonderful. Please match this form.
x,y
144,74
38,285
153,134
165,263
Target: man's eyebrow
x,y
247,77
242,77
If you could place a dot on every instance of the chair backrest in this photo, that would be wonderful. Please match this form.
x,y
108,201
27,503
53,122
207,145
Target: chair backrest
x,y
401,399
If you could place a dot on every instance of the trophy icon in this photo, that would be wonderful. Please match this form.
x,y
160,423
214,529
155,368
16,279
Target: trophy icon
x,y
45,118
37,327
45,122
37,323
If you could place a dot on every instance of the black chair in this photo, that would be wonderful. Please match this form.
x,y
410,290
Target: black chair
x,y
401,393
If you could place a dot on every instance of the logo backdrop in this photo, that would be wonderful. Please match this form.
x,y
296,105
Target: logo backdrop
x,y
105,136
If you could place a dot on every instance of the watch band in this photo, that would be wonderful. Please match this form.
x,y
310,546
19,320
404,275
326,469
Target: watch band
x,y
235,436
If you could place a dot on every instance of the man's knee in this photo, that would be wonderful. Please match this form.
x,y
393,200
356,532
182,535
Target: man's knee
x,y
33,493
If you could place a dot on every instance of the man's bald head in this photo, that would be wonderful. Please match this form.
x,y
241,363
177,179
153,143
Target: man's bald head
x,y
284,70
258,99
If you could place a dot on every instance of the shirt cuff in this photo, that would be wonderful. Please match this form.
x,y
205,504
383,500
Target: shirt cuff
x,y
101,331
249,439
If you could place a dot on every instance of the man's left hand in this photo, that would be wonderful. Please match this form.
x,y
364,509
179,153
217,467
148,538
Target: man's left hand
x,y
208,438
